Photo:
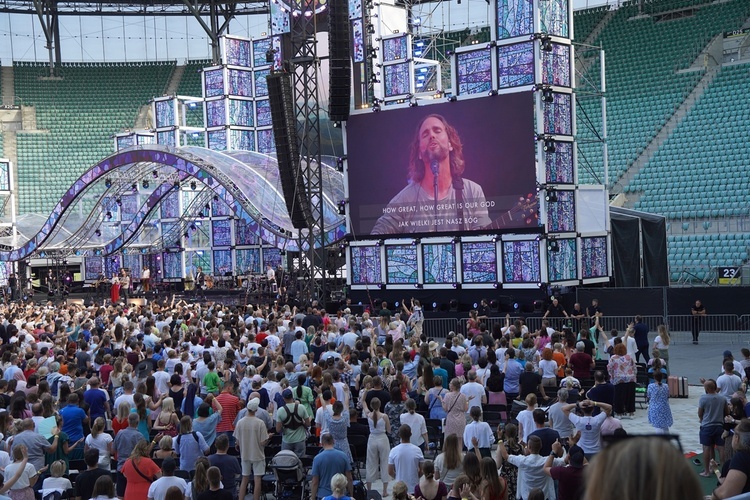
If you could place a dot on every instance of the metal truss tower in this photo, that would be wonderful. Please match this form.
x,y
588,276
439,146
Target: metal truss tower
x,y
304,64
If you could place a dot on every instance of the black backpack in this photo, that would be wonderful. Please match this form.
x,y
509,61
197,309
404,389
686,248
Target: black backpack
x,y
293,420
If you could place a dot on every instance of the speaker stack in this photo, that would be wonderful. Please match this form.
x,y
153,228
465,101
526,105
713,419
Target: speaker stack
x,y
340,60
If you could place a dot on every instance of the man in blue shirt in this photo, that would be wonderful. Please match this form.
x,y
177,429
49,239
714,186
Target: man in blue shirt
x,y
97,399
513,370
442,372
327,464
73,418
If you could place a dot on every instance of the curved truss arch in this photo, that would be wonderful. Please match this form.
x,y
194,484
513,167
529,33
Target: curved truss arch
x,y
247,182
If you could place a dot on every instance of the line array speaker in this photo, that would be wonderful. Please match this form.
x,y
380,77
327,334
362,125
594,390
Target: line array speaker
x,y
340,60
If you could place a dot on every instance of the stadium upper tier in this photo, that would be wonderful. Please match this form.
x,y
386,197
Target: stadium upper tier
x,y
706,156
76,116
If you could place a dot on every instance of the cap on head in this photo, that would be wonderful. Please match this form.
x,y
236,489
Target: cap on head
x,y
253,404
287,394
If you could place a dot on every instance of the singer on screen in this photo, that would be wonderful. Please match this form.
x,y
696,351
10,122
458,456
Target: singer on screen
x,y
436,164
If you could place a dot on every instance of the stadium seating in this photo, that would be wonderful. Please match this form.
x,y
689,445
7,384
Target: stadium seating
x,y
584,21
715,129
643,83
692,257
78,115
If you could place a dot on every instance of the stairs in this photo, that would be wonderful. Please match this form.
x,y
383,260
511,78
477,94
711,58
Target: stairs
x,y
7,91
663,134
174,81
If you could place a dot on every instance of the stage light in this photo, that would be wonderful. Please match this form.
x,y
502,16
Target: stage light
x,y
207,206
98,232
452,98
548,95
193,185
155,174
551,195
370,29
373,52
176,185
145,184
187,235
119,202
134,186
380,243
546,43
216,197
456,240
549,146
413,104
495,285
107,183
553,246
376,108
342,207
193,227
416,241
418,286
492,92
340,163
108,215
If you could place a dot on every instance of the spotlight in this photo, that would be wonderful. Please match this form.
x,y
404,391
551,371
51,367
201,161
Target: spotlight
x,y
216,197
342,207
193,227
547,95
492,92
98,232
187,235
108,183
553,246
373,52
108,215
413,104
551,195
455,240
370,29
176,185
340,163
145,184
416,241
379,243
119,202
452,98
546,43
418,285
207,206
193,185
134,186
376,108
155,174
549,146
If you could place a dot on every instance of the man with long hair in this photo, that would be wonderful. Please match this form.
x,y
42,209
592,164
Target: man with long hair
x,y
436,152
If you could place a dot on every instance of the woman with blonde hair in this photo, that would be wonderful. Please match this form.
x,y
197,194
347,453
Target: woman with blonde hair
x,y
548,369
139,471
378,445
661,342
167,421
662,472
120,421
101,441
449,464
401,491
166,449
430,488
56,482
621,368
339,486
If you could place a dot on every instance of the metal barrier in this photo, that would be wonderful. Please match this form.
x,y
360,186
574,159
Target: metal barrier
x,y
709,323
438,328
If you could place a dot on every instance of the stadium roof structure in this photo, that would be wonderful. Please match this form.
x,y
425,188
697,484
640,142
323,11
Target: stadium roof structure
x,y
82,223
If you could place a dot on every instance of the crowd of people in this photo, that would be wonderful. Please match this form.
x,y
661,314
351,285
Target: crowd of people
x,y
176,400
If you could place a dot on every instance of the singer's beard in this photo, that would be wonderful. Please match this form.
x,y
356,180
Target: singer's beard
x,y
437,154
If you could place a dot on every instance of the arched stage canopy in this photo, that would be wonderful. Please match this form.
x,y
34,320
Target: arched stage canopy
x,y
248,182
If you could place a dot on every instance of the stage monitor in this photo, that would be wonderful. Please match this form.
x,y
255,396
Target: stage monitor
x,y
482,150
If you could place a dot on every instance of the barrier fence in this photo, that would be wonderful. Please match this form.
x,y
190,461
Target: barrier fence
x,y
714,328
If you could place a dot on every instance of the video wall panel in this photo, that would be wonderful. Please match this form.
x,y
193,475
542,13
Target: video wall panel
x,y
521,262
562,265
366,265
479,262
486,143
594,257
401,264
439,263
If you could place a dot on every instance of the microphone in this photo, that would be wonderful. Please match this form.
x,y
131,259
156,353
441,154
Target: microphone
x,y
435,167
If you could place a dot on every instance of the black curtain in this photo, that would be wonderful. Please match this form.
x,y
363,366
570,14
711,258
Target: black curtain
x,y
626,251
654,242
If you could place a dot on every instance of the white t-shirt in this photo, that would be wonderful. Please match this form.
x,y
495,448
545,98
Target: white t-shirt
x,y
526,418
23,481
158,489
320,419
473,389
52,484
406,459
161,381
479,430
417,425
531,475
660,344
590,428
125,398
101,443
549,368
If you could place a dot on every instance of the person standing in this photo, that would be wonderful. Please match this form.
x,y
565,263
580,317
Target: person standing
x,y
378,445
661,342
659,413
640,334
699,312
251,437
146,279
125,285
327,464
570,478
712,408
530,469
405,460
621,368
455,406
588,425
158,489
292,422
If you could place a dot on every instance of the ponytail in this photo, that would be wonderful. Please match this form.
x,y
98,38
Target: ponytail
x,y
374,406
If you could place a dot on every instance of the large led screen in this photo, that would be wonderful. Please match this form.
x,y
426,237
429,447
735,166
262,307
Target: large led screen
x,y
483,153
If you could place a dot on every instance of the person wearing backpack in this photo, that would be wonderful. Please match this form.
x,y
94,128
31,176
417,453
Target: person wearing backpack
x,y
292,421
190,444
